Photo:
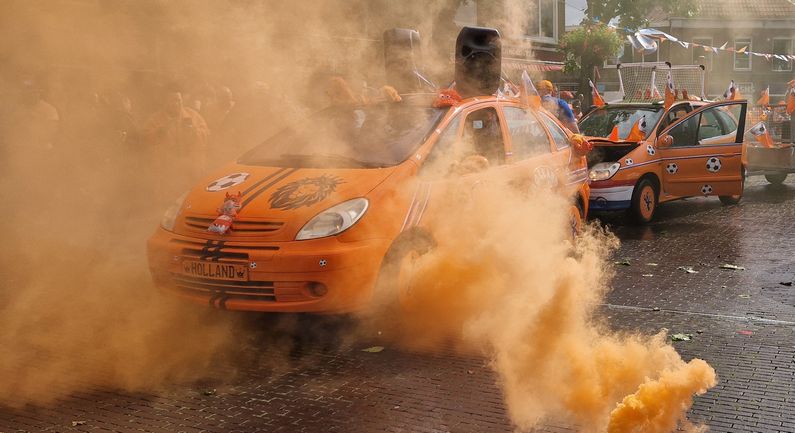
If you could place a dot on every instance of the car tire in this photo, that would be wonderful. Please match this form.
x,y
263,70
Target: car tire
x,y
776,179
576,219
393,276
644,202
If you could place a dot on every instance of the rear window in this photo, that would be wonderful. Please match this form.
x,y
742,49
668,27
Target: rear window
x,y
600,122
378,135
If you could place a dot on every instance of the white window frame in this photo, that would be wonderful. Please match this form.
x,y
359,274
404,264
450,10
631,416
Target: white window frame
x,y
708,56
747,56
788,63
555,30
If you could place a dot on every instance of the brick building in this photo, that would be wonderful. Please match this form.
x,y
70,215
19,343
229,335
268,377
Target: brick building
x,y
763,26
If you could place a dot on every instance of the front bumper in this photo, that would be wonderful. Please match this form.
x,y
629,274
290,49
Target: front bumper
x,y
610,198
282,276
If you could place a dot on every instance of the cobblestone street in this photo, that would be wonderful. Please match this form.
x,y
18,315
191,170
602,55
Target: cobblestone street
x,y
742,323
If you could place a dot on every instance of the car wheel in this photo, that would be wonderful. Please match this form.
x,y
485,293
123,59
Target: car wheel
x,y
644,202
776,179
576,219
395,284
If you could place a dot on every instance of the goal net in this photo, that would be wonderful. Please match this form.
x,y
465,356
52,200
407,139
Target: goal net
x,y
644,82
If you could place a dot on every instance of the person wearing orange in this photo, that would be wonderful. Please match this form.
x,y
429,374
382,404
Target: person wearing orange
x,y
557,106
791,109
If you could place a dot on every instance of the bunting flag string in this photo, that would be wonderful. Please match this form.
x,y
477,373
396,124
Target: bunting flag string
x,y
648,41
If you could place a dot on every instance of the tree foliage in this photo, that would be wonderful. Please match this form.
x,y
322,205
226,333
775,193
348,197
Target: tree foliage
x,y
589,46
633,13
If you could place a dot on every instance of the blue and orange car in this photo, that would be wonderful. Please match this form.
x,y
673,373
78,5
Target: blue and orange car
x,y
693,148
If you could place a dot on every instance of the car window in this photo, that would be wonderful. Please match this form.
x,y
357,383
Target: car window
x,y
718,125
685,133
601,121
674,114
709,126
377,135
558,136
528,136
441,155
483,136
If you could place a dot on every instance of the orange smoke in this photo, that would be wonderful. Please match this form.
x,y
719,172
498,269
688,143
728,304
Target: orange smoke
x,y
506,282
659,404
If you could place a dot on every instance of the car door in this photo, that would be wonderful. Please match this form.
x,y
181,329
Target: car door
x,y
469,154
533,162
701,152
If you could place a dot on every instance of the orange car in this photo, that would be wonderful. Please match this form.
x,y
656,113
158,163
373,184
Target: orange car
x,y
693,148
325,206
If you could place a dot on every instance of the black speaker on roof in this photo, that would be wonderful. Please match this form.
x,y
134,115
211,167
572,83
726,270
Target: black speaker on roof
x,y
402,56
478,61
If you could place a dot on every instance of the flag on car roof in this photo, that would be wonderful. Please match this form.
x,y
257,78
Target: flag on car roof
x,y
614,134
638,131
731,93
597,98
529,92
762,134
764,99
670,93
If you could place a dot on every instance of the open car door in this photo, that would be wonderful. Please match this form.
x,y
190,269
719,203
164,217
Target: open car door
x,y
701,152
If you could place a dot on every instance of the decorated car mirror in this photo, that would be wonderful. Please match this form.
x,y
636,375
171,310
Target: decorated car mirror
x,y
665,141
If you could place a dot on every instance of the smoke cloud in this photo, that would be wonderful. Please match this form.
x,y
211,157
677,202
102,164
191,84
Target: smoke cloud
x,y
84,190
507,283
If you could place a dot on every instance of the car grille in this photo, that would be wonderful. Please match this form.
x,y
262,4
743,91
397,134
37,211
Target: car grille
x,y
253,290
242,227
221,291
218,250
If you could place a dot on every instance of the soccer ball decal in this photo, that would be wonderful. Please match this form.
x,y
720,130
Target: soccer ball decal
x,y
628,161
672,168
713,165
650,149
706,189
227,182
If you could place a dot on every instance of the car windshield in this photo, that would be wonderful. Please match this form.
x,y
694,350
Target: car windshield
x,y
377,135
601,121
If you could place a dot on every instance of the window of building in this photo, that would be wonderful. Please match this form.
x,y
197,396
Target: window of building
x,y
543,23
782,46
700,55
742,61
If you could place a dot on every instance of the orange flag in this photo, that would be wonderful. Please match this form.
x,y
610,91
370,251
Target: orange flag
x,y
670,92
638,131
614,134
597,98
762,134
764,99
732,93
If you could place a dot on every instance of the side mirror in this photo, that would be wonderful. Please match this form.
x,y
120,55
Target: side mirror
x,y
665,141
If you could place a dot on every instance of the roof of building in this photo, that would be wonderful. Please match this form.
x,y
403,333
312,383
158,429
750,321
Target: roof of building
x,y
737,10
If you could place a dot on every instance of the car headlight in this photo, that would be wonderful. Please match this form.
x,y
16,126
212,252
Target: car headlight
x,y
334,220
604,170
170,217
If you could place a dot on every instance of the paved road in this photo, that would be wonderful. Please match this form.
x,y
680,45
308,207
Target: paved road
x,y
743,324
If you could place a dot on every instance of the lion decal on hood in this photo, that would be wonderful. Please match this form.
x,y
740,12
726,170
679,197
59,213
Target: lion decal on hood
x,y
304,192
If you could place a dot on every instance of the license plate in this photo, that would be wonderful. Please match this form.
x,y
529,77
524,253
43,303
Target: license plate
x,y
215,270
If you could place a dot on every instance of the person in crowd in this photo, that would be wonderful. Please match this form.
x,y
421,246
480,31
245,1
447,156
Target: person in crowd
x,y
556,106
177,137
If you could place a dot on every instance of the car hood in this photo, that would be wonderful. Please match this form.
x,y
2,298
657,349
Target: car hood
x,y
275,202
